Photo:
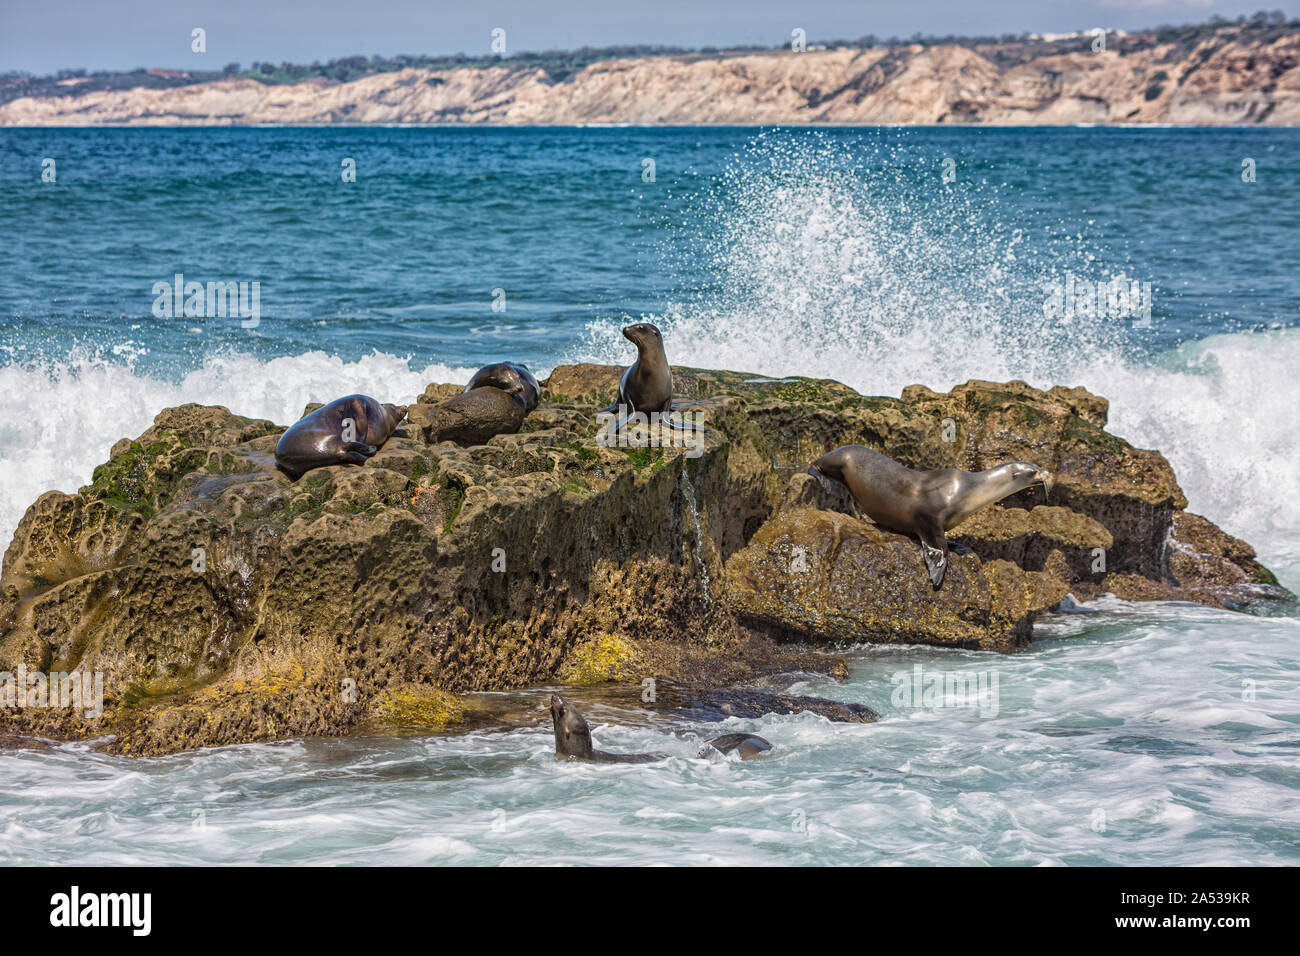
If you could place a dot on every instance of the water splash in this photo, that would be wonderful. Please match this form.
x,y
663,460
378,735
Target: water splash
x,y
854,262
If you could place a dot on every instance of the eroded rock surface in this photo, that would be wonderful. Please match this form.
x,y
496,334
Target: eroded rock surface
x,y
223,602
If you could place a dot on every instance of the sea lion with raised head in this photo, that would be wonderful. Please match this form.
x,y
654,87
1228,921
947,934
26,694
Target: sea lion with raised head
x,y
647,385
573,740
348,430
925,504
509,377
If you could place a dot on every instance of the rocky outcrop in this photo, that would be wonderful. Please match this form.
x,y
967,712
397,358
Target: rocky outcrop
x,y
223,602
1229,76
819,575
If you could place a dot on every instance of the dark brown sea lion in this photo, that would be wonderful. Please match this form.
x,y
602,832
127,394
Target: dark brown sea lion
x,y
346,431
747,746
509,377
647,386
926,504
573,740
471,417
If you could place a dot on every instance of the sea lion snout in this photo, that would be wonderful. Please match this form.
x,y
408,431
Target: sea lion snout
x,y
641,332
1026,473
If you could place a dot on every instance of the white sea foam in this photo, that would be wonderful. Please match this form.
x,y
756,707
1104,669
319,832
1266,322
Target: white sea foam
x,y
58,421
866,278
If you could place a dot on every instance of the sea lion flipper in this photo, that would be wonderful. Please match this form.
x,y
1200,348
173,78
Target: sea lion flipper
x,y
934,548
357,452
936,562
682,426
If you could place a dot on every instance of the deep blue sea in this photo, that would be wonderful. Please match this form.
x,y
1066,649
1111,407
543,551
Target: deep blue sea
x,y
877,256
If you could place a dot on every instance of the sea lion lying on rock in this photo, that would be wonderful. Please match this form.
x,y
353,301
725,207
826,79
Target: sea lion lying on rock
x,y
472,417
512,378
925,504
573,740
348,430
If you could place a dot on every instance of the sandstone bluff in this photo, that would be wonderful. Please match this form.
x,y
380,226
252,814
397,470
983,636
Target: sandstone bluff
x,y
1228,76
373,598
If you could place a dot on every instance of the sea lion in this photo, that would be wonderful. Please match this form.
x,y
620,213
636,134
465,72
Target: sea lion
x,y
470,418
926,504
509,377
647,386
747,746
346,431
573,740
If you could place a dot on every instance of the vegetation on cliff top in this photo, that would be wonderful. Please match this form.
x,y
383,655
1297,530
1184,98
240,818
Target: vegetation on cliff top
x,y
560,65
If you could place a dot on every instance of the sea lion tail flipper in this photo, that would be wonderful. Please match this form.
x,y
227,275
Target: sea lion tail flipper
x,y
608,411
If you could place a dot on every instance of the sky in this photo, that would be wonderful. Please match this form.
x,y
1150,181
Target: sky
x,y
48,35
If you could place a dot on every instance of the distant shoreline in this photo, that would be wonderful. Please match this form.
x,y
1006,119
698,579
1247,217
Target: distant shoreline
x,y
1237,75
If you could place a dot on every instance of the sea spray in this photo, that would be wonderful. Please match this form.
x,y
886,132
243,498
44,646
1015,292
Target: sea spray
x,y
845,263
58,420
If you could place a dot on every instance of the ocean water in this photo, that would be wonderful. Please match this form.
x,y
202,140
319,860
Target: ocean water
x,y
1153,733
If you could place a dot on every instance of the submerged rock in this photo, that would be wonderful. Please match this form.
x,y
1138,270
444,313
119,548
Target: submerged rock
x,y
223,602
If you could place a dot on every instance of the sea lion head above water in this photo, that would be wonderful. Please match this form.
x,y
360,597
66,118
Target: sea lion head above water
x,y
509,377
572,735
573,740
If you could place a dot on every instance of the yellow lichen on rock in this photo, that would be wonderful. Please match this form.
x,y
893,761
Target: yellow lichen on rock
x,y
412,707
605,657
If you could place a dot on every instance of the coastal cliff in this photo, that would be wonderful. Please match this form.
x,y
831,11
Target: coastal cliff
x,y
223,602
1224,77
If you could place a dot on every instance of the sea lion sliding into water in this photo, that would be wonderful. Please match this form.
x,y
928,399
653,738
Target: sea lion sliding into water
x,y
346,431
647,386
573,740
926,504
509,377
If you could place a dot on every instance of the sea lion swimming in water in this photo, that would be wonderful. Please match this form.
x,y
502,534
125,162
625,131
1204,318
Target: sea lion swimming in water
x,y
346,431
573,740
926,504
647,386
509,377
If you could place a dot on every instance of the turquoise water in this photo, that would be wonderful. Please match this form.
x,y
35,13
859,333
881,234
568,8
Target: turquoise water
x,y
1132,734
